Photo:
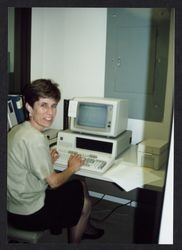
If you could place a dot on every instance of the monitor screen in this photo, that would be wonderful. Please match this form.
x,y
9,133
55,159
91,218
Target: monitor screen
x,y
92,115
98,115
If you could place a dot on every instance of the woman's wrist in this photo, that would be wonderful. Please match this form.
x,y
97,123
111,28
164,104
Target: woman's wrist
x,y
70,170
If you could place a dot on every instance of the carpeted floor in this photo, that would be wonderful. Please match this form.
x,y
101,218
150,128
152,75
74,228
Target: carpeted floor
x,y
117,223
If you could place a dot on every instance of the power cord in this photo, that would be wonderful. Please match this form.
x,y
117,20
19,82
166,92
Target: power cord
x,y
98,201
110,213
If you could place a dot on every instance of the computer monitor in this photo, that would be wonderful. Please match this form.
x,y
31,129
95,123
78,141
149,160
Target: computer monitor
x,y
98,115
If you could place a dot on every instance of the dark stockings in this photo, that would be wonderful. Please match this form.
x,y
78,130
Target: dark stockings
x,y
76,232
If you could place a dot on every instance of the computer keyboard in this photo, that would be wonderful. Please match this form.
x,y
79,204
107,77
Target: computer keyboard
x,y
95,162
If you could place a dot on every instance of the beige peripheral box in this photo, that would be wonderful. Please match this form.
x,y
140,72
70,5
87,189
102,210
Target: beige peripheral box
x,y
152,153
51,135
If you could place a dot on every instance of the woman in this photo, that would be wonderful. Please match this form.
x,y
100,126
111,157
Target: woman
x,y
37,196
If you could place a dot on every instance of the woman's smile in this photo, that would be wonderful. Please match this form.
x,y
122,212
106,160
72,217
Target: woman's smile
x,y
43,112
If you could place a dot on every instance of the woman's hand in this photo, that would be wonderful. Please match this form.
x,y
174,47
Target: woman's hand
x,y
75,162
54,155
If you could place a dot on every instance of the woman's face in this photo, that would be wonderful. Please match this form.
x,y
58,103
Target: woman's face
x,y
42,113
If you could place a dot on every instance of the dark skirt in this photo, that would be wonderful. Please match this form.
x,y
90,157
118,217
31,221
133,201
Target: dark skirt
x,y
63,207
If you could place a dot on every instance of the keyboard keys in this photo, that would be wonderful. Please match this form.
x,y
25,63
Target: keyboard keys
x,y
93,162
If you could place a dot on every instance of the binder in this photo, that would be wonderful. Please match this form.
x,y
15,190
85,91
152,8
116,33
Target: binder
x,y
65,114
17,101
12,121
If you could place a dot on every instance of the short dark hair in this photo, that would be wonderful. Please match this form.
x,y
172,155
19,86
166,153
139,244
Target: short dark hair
x,y
41,88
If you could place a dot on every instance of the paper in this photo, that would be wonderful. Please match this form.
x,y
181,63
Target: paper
x,y
72,110
129,176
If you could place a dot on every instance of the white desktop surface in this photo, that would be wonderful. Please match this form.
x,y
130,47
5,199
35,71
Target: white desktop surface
x,y
119,172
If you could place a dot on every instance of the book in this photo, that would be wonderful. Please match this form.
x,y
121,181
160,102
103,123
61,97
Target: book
x,y
17,101
12,121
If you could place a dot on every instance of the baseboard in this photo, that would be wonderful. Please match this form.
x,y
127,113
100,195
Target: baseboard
x,y
113,199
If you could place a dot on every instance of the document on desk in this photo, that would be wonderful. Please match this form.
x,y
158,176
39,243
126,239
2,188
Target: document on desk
x,y
130,176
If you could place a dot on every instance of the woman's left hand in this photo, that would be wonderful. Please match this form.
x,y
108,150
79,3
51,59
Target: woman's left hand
x,y
54,154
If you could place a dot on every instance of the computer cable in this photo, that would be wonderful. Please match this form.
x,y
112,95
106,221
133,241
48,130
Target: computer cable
x,y
98,201
110,213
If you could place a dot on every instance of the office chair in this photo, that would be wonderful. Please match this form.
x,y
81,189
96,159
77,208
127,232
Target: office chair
x,y
21,236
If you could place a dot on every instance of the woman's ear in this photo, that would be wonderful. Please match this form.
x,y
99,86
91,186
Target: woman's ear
x,y
29,108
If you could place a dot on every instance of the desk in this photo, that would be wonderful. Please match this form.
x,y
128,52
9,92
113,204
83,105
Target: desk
x,y
149,198
128,157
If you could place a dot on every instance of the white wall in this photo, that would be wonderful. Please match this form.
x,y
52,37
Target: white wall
x,y
167,220
68,45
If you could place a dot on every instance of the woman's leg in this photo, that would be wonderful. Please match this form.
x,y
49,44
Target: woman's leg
x,y
76,232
